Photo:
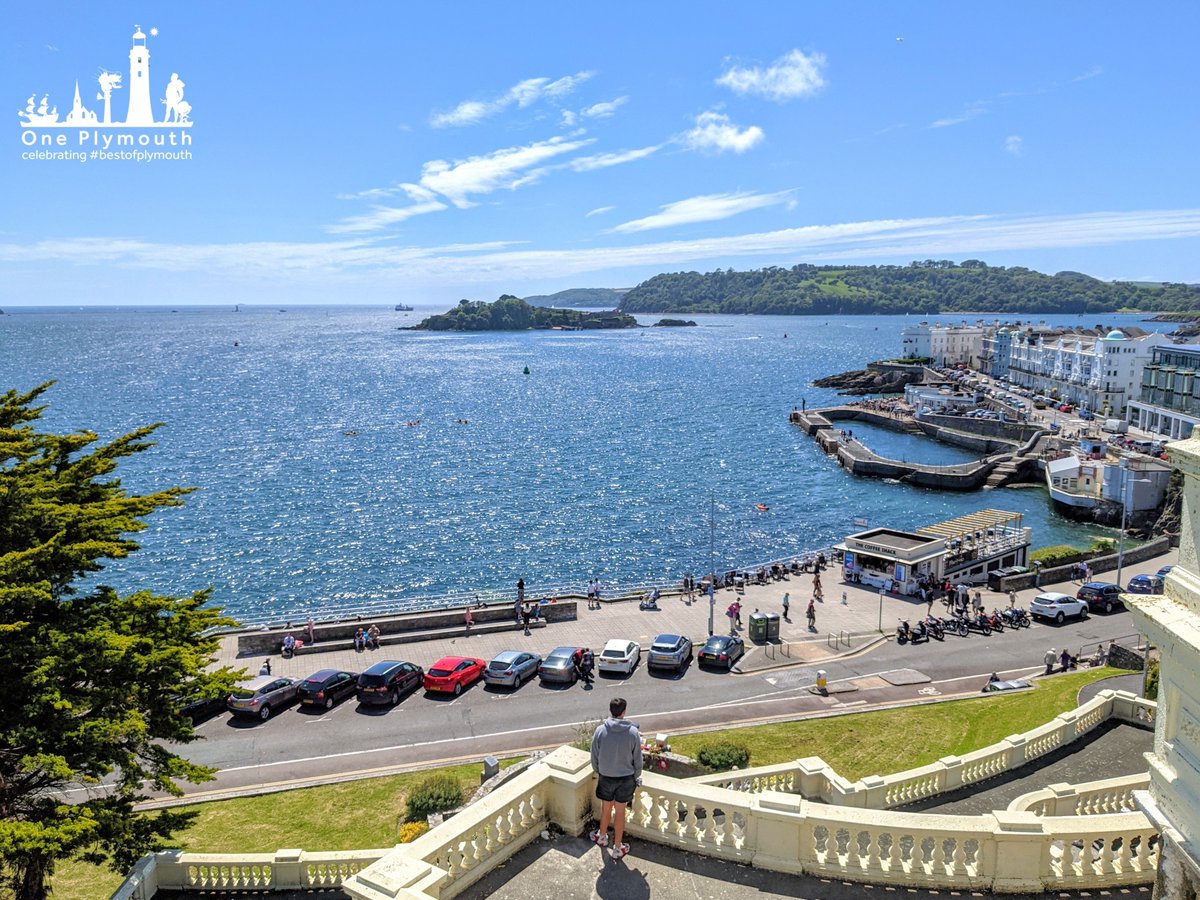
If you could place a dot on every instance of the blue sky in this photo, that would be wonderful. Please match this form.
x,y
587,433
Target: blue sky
x,y
385,151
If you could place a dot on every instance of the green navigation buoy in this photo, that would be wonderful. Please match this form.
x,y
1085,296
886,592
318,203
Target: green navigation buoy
x,y
527,370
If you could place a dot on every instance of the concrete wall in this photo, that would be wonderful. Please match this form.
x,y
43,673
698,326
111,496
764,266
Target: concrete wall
x,y
1146,551
268,641
1012,431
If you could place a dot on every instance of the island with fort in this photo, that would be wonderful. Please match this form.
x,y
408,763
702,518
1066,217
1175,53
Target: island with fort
x,y
510,313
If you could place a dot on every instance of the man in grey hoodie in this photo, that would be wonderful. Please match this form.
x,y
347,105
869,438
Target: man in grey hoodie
x,y
617,761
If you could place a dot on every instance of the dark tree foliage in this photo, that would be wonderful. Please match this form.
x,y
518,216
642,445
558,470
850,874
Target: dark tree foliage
x,y
926,288
93,680
510,313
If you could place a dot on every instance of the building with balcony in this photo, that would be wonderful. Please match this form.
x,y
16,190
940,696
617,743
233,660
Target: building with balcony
x,y
1169,400
1099,373
945,345
997,347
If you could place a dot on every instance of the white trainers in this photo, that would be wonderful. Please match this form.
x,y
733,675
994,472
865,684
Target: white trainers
x,y
619,851
600,840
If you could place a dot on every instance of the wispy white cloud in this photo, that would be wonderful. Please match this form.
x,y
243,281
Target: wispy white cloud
x,y
380,217
509,168
605,109
705,208
970,111
1093,72
714,131
522,94
599,211
347,260
604,160
51,48
793,75
1014,144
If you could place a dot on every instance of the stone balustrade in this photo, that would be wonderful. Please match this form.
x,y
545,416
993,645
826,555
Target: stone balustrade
x,y
1108,795
1073,839
813,779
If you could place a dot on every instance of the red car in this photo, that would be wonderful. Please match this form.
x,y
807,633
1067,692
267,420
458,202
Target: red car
x,y
453,673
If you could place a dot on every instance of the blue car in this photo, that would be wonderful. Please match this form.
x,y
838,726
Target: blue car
x,y
1145,584
1162,573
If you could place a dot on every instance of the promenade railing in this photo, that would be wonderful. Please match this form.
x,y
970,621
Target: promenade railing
x,y
757,818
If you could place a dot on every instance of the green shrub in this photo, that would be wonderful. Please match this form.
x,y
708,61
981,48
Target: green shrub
x,y
1152,680
410,831
435,794
1103,546
1057,555
723,755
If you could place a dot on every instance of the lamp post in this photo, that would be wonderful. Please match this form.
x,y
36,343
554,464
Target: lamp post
x,y
712,572
1126,500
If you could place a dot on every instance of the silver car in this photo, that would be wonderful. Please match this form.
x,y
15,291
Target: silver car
x,y
262,695
669,651
512,668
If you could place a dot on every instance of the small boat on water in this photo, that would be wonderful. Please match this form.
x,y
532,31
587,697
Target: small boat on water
x,y
761,507
402,307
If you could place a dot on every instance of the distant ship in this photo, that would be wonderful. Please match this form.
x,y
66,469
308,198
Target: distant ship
x,y
400,307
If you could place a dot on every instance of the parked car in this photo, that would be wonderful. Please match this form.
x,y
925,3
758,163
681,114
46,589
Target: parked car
x,y
451,674
1053,605
1162,573
327,687
1101,595
669,651
1067,407
619,656
721,650
202,708
1087,415
387,681
262,695
1145,584
512,668
559,665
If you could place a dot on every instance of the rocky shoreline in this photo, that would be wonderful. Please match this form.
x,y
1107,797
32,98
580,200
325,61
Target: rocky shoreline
x,y
875,379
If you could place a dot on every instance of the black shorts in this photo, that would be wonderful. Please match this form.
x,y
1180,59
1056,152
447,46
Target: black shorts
x,y
616,789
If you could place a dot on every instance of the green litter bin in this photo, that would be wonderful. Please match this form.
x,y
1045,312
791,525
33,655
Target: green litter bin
x,y
772,626
758,627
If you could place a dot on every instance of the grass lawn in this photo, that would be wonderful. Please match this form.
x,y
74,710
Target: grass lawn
x,y
349,816
361,814
879,743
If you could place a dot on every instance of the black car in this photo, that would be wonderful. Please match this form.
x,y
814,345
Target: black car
x,y
327,687
387,681
1100,595
721,650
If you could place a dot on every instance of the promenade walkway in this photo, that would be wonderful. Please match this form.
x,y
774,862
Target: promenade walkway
x,y
841,627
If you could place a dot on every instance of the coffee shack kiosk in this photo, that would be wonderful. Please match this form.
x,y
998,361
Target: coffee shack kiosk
x,y
962,550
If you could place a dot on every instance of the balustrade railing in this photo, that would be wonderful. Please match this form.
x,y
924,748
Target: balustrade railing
x,y
1069,838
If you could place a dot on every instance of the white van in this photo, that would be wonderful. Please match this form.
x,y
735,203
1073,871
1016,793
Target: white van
x,y
1115,426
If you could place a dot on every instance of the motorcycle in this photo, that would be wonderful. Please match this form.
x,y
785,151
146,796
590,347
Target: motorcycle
x,y
995,620
957,624
1015,617
979,623
936,628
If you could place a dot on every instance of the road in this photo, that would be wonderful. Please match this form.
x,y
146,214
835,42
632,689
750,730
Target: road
x,y
298,746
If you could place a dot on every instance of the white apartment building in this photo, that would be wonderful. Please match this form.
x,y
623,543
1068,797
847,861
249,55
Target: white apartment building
x,y
1100,373
944,344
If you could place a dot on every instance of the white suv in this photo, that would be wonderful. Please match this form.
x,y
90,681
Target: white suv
x,y
619,656
1052,605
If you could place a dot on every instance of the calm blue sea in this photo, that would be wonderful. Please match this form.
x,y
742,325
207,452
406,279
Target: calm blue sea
x,y
600,462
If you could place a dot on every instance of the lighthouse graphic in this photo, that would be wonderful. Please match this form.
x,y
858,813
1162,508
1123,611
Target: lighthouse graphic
x,y
140,114
141,111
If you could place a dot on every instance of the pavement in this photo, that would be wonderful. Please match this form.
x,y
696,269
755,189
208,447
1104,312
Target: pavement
x,y
848,621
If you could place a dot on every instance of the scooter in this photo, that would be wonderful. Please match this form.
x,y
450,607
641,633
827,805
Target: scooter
x,y
905,634
979,623
648,603
995,620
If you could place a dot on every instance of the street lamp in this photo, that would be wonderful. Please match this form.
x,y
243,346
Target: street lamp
x,y
1126,499
712,572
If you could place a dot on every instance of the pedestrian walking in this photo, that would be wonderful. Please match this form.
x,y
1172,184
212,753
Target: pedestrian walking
x,y
977,603
737,613
587,664
520,590
1049,659
469,618
812,616
308,631
928,595
526,615
617,762
1065,659
517,611
1012,599
785,603
266,668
